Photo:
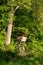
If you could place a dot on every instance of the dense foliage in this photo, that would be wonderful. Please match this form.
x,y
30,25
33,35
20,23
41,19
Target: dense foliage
x,y
29,20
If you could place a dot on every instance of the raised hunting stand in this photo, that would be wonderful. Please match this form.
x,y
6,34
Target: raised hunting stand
x,y
22,39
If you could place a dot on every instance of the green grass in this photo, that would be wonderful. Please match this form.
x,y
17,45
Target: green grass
x,y
10,58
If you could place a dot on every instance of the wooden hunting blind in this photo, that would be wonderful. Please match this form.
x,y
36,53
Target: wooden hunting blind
x,y
21,37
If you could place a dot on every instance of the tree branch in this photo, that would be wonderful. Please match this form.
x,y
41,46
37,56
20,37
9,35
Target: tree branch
x,y
17,7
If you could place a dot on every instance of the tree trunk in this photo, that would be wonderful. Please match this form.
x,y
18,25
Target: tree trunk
x,y
10,24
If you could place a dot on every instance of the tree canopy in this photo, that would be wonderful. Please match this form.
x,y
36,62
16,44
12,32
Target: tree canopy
x,y
27,20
